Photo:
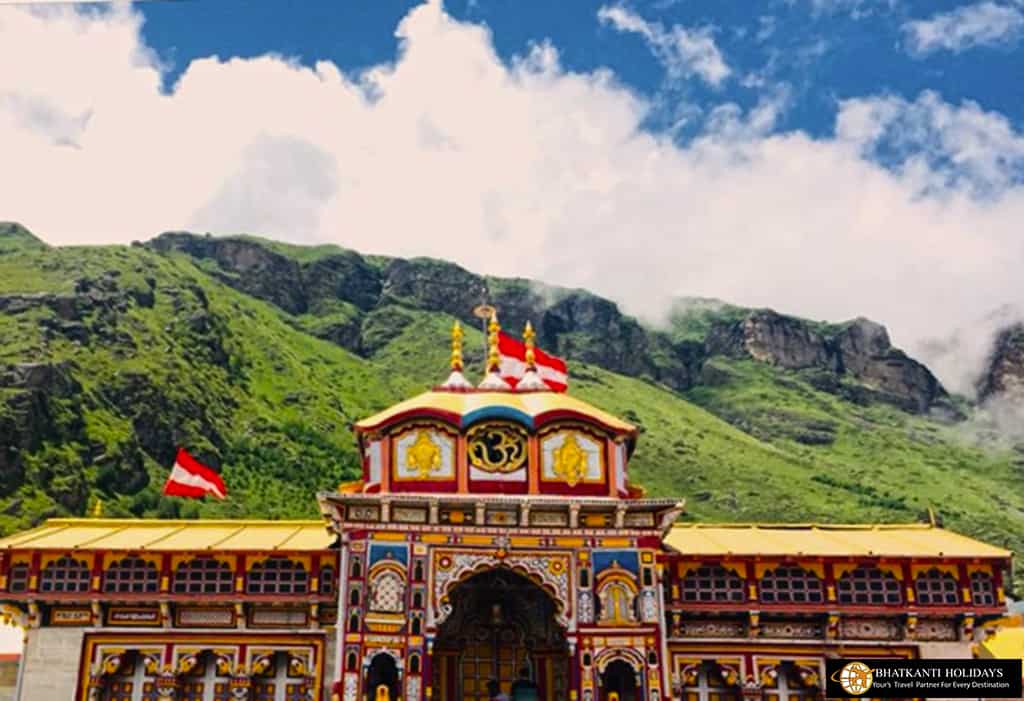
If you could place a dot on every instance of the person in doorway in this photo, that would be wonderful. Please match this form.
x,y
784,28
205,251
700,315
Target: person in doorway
x,y
524,688
494,692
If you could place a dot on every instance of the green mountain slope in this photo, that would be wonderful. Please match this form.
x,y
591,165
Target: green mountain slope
x,y
258,356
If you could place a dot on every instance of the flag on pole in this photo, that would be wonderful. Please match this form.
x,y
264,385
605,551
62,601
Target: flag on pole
x,y
190,478
551,369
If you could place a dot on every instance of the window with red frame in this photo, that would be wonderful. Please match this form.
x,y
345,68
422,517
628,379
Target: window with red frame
x,y
131,575
65,575
202,575
790,584
712,583
869,585
936,588
983,589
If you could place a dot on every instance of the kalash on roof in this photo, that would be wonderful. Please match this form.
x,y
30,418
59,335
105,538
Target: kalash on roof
x,y
498,436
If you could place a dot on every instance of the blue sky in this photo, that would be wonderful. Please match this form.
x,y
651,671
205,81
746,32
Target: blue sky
x,y
823,51
826,158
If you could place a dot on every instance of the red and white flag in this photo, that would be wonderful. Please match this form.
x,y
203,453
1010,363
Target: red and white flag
x,y
551,369
190,478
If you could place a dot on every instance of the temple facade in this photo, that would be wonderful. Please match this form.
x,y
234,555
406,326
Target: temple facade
x,y
494,533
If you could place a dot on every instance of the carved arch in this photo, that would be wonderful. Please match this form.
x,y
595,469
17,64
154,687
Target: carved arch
x,y
530,571
630,656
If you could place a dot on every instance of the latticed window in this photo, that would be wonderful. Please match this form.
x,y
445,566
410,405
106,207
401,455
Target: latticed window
x,y
202,575
936,588
983,590
17,580
278,575
131,575
387,593
65,574
712,583
791,584
327,576
869,585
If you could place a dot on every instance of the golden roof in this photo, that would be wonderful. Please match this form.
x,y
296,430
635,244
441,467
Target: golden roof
x,y
813,540
463,408
164,535
1006,643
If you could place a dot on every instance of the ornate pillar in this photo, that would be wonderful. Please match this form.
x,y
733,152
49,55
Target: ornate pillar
x,y
751,689
240,685
167,684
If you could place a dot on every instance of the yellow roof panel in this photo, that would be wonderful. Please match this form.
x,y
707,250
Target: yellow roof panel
x,y
163,535
1007,643
912,540
462,405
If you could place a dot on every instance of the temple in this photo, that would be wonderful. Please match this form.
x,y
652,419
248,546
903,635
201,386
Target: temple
x,y
495,533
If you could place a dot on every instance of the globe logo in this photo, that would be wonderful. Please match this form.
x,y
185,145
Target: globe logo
x,y
856,678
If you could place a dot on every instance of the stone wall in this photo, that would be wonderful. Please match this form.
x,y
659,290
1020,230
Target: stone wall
x,y
52,661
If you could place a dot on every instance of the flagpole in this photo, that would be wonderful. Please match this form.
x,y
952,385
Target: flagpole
x,y
484,312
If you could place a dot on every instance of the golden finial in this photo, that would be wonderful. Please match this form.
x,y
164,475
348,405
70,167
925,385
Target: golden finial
x,y
493,356
528,336
97,511
456,346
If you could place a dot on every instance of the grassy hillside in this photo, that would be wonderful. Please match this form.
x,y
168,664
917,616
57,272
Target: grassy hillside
x,y
110,356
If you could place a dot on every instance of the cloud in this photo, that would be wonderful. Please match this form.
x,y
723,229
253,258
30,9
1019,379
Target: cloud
x,y
857,9
909,213
936,143
684,52
980,24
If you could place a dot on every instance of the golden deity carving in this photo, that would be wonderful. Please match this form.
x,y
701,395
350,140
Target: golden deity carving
x,y
423,456
497,448
570,460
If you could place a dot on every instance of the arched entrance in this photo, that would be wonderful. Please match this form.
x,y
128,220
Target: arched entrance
x,y
382,678
500,623
619,682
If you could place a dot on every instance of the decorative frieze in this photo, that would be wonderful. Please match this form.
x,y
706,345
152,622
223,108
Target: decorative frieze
x,y
712,628
804,630
206,617
135,616
936,629
871,628
279,617
408,514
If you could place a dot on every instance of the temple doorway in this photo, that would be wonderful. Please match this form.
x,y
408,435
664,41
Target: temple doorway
x,y
382,678
618,682
501,623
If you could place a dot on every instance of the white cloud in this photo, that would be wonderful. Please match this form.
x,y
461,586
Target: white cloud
x,y
523,169
981,24
684,52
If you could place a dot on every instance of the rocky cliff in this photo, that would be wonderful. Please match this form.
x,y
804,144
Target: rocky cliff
x,y
858,350
1005,369
344,296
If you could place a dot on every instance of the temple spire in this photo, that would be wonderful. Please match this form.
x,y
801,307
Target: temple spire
x,y
492,377
531,379
456,380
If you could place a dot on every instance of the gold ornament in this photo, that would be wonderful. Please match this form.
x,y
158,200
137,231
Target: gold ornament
x,y
423,456
493,356
496,448
528,338
457,346
570,461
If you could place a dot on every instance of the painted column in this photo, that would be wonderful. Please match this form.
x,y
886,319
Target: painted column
x,y
341,623
663,628
428,667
